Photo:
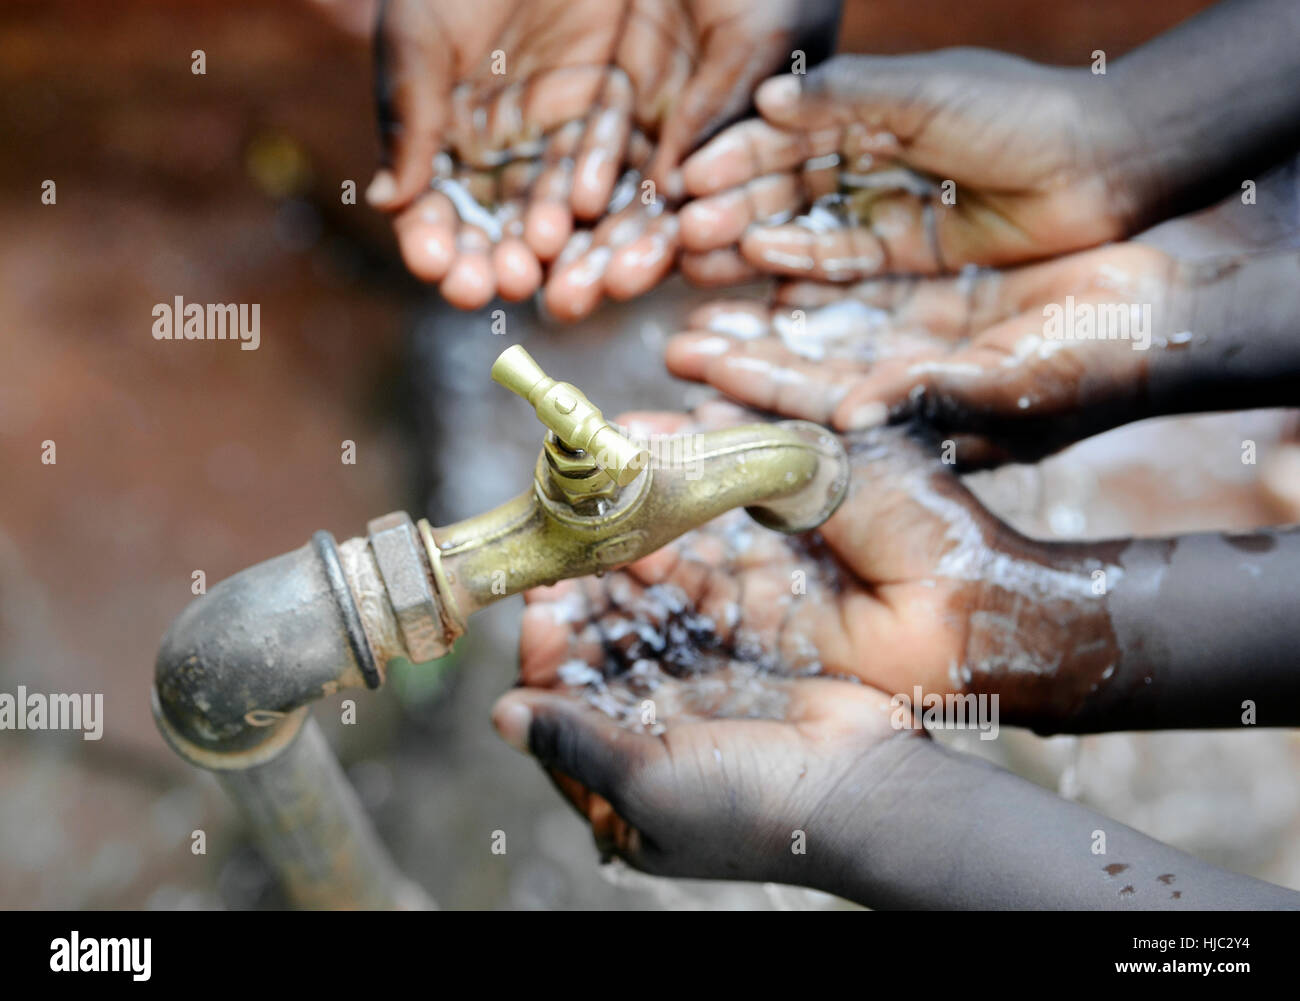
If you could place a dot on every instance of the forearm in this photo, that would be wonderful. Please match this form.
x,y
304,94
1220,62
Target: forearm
x,y
1209,104
943,830
1208,633
1193,632
1231,337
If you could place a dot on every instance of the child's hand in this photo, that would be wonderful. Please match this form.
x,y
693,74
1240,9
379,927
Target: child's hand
x,y
689,705
709,797
1002,161
910,583
573,95
976,355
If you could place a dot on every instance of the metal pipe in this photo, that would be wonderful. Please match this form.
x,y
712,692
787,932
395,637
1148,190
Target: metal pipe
x,y
232,682
315,833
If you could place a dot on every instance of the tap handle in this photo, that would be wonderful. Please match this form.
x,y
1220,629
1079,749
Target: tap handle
x,y
573,418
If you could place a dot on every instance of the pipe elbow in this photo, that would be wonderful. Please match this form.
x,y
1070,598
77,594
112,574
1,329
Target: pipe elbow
x,y
239,665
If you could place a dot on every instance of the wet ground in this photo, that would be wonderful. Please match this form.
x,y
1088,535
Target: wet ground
x,y
173,458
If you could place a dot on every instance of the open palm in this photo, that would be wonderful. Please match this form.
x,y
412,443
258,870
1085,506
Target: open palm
x,y
977,356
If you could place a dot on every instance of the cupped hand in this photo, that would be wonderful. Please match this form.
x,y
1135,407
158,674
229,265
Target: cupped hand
x,y
1005,364
574,96
711,797
913,164
729,667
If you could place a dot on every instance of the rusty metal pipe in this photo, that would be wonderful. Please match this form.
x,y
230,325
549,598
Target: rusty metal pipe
x,y
232,682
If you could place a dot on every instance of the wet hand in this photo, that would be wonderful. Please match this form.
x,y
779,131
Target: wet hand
x,y
712,797
735,639
572,96
1004,364
691,679
912,164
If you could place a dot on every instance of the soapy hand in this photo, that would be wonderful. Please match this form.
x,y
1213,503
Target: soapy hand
x,y
912,164
1005,364
568,96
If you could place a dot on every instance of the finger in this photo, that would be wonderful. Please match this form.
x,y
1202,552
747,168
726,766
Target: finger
x,y
745,319
577,279
716,268
760,373
659,62
886,104
721,220
411,84
573,740
798,250
749,150
519,117
891,94
489,127
638,266
639,152
974,452
518,180
546,633
600,157
471,281
947,308
548,222
518,272
916,230
558,633
426,235
610,831
645,423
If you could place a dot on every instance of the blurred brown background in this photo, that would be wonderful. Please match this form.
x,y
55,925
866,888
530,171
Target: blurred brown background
x,y
173,457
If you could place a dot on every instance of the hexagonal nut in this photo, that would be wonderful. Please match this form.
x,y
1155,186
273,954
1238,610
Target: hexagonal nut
x,y
396,545
577,476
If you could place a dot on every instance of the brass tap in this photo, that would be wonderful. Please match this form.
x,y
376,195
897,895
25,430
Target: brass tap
x,y
600,500
576,423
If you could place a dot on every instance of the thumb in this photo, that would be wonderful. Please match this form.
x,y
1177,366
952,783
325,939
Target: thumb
x,y
572,739
411,89
891,94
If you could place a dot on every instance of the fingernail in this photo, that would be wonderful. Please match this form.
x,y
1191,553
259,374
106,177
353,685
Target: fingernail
x,y
711,346
707,222
382,190
512,724
779,95
867,415
785,247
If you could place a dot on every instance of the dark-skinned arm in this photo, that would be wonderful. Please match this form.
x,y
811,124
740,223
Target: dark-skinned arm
x,y
1192,632
1211,103
945,830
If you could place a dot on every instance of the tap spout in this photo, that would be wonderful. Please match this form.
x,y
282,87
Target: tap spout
x,y
790,476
